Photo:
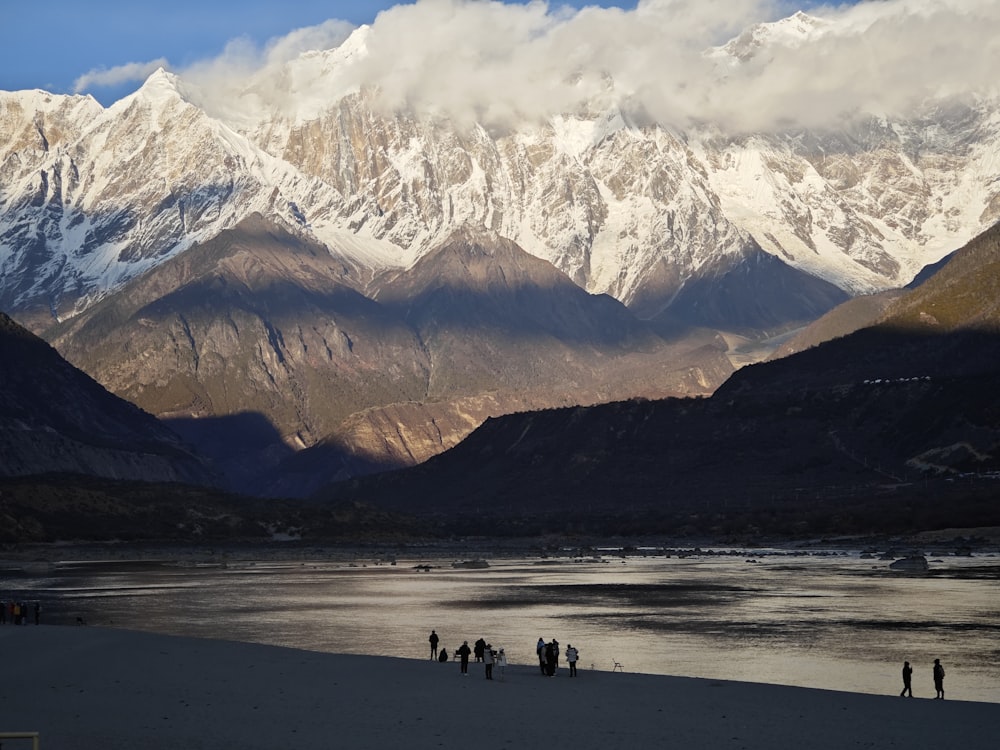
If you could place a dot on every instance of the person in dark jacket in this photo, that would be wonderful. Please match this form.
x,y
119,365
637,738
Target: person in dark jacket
x,y
463,653
433,638
938,679
443,657
478,648
907,679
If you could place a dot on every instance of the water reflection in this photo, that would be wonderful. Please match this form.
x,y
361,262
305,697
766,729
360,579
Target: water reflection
x,y
835,622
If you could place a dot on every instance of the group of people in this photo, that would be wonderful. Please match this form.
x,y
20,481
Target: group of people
x,y
937,673
481,651
17,613
549,653
548,657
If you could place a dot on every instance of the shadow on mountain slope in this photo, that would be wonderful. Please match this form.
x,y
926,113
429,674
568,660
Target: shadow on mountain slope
x,y
262,321
812,441
55,418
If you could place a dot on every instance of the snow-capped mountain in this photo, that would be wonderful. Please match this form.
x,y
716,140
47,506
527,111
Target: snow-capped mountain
x,y
92,197
373,225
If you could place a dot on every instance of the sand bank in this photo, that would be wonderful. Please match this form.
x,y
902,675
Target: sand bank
x,y
91,688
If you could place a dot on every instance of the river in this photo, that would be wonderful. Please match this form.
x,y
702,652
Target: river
x,y
834,620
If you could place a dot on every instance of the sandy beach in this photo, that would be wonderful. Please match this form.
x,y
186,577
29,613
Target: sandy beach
x,y
91,688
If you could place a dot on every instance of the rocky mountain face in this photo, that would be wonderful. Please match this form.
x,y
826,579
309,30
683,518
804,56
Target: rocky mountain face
x,y
55,419
373,284
897,423
258,344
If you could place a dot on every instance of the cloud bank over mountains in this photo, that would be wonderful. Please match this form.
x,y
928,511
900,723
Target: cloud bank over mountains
x,y
498,64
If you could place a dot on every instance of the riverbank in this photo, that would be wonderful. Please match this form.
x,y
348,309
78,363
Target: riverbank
x,y
90,688
979,541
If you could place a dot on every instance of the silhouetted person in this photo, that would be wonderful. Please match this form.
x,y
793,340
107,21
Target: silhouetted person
x,y
550,659
463,653
907,678
502,663
938,679
540,650
478,648
444,655
433,638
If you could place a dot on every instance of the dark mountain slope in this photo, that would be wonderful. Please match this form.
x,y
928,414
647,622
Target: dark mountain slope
x,y
54,418
963,294
846,318
758,294
492,315
860,430
503,332
802,453
259,344
966,292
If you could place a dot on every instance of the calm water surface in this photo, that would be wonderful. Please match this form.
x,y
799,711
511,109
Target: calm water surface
x,y
827,621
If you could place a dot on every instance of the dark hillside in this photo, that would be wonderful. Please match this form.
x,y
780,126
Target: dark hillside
x,y
55,418
895,427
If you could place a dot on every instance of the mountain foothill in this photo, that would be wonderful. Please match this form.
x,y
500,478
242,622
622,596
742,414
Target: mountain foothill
x,y
891,424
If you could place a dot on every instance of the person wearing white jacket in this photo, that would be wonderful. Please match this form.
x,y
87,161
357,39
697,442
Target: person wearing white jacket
x,y
501,662
571,656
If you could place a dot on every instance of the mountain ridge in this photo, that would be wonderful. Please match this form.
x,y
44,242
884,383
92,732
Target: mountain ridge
x,y
630,209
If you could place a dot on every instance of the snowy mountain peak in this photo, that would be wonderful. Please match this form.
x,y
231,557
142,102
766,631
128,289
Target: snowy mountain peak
x,y
159,93
160,86
621,203
793,31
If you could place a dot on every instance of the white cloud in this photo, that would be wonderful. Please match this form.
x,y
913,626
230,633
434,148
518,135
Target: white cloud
x,y
493,63
490,62
888,57
246,76
118,75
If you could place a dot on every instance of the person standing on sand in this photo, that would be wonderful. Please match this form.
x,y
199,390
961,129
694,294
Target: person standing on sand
x,y
938,679
550,659
571,656
907,679
463,653
488,660
540,650
502,662
433,638
478,648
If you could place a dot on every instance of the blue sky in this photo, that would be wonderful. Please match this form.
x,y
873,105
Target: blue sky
x,y
51,45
